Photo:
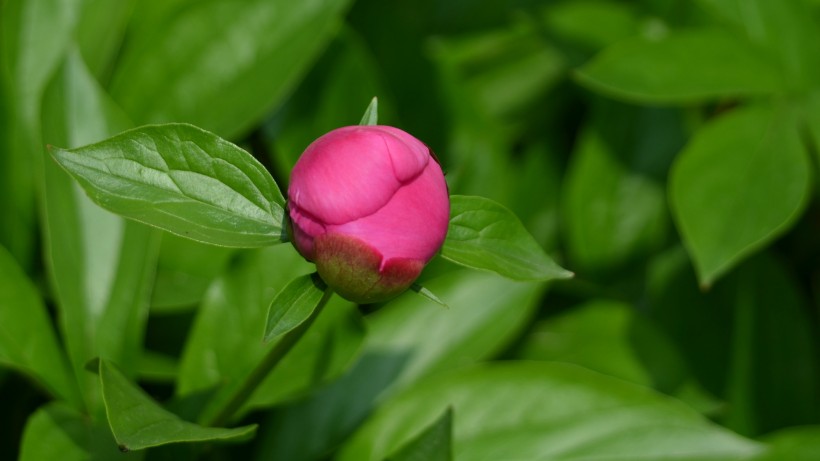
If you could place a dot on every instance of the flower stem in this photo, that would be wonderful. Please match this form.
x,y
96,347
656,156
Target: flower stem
x,y
268,363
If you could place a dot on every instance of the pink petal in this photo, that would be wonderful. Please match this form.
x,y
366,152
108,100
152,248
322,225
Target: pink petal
x,y
353,171
412,225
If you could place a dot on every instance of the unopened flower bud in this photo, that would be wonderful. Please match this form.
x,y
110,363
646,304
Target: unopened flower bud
x,y
369,206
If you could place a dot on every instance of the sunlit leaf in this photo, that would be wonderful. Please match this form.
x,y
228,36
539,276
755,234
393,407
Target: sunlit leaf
x,y
552,411
184,180
485,235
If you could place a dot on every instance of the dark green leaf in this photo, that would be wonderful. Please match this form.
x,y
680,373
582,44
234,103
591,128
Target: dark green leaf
x,y
56,431
552,411
681,67
754,348
221,65
785,32
371,114
139,422
327,98
485,235
27,339
434,443
184,270
293,305
614,202
592,23
184,180
100,31
740,182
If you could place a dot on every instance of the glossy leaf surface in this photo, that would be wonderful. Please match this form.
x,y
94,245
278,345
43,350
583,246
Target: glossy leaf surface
x,y
485,235
548,411
184,180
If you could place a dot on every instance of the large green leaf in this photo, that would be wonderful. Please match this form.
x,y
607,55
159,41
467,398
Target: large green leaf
x,y
27,339
139,422
681,67
221,64
609,337
35,35
740,182
543,411
184,180
408,340
485,235
100,266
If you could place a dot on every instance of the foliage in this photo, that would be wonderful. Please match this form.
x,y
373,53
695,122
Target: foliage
x,y
663,151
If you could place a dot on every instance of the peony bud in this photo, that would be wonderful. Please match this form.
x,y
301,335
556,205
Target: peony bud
x,y
369,206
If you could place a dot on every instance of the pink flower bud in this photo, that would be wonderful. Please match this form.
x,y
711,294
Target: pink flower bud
x,y
368,205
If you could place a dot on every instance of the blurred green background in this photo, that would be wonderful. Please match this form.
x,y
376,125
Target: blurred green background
x,y
663,150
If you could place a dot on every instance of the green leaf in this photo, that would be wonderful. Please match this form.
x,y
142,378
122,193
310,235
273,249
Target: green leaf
x,y
592,23
226,81
755,345
138,422
485,235
603,336
27,339
614,202
100,32
184,270
408,341
293,305
434,443
224,344
184,180
785,32
740,182
616,339
682,67
793,444
427,294
341,79
100,266
371,114
56,431
527,410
